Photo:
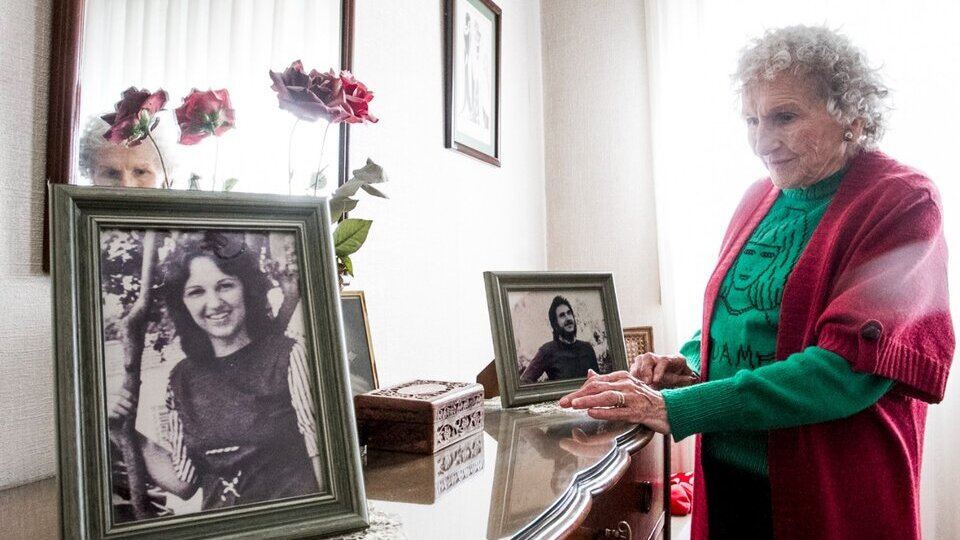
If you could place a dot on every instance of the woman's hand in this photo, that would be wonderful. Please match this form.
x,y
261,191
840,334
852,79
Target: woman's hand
x,y
620,396
594,445
123,406
663,371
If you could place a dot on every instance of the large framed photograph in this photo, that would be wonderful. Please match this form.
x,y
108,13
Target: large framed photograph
x,y
472,78
549,329
356,329
202,382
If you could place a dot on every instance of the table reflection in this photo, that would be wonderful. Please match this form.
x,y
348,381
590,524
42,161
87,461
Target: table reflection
x,y
503,481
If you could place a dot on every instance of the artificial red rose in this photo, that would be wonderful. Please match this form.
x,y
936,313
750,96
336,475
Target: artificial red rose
x,y
203,114
356,98
335,98
134,117
306,96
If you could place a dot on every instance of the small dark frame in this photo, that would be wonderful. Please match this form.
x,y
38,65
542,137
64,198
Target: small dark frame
x,y
455,135
500,285
63,123
80,218
356,330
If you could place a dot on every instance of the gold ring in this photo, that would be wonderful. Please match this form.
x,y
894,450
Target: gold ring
x,y
621,399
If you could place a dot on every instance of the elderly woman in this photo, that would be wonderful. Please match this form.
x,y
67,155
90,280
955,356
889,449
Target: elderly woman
x,y
826,328
107,164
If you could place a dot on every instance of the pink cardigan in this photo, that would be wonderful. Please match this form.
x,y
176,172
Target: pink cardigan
x,y
871,286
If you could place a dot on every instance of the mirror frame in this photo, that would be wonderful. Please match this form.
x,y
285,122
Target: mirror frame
x,y
64,98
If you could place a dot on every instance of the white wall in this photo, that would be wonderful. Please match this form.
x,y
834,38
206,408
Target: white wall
x,y
600,210
26,384
449,218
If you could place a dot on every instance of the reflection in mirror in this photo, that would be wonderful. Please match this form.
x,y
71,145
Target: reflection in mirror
x,y
179,45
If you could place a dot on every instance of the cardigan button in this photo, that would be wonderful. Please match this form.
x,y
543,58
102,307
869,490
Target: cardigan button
x,y
871,330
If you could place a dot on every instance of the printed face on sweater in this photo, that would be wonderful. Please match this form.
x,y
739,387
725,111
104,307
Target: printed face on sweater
x,y
791,130
215,302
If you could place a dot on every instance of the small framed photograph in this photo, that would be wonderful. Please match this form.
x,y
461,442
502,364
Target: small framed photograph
x,y
356,330
472,78
549,329
202,382
639,340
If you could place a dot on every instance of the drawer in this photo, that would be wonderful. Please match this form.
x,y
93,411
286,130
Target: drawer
x,y
635,505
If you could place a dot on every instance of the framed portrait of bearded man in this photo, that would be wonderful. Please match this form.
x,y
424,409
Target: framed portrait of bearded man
x,y
550,329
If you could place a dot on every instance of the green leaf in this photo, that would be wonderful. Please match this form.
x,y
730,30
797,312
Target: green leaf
x,y
347,265
348,189
371,173
230,183
350,235
318,180
340,207
374,191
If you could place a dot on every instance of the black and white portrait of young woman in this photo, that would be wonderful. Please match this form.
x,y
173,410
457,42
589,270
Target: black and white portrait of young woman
x,y
218,409
559,334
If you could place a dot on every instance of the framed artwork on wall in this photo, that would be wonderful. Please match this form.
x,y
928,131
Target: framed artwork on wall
x,y
472,78
549,329
202,387
356,330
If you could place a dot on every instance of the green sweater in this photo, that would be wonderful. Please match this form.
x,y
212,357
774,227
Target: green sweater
x,y
748,391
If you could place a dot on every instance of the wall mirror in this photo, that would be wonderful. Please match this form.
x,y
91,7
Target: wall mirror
x,y
102,47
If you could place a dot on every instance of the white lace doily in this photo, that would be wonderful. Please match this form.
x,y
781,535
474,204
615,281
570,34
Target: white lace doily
x,y
383,526
547,407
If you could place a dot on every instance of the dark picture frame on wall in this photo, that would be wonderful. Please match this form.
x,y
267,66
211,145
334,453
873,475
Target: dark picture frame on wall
x,y
356,331
201,378
549,329
472,78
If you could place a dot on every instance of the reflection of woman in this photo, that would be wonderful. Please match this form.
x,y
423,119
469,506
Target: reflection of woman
x,y
826,322
242,425
108,164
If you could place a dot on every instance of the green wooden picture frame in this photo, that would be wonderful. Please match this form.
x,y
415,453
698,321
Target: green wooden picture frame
x,y
80,217
519,305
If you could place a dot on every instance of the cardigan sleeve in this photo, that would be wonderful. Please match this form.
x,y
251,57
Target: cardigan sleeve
x,y
811,386
888,311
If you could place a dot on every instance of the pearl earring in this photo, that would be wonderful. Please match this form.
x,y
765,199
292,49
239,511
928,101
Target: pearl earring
x,y
848,135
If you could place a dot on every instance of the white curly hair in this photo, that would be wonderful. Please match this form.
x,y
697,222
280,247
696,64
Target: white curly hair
x,y
839,72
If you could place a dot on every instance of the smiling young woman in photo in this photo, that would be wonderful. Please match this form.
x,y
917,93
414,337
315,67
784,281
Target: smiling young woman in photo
x,y
241,416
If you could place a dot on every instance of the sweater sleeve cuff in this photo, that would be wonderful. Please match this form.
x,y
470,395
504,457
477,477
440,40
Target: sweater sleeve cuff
x,y
702,407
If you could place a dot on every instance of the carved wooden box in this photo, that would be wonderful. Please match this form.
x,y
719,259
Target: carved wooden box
x,y
419,416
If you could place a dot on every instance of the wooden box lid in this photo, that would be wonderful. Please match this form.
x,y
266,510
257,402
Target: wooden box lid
x,y
419,401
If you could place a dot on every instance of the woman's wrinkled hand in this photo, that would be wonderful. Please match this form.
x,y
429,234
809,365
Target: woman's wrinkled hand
x,y
663,371
620,396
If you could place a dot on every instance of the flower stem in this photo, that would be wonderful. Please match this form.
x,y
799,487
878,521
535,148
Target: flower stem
x,y
166,179
290,158
323,145
216,160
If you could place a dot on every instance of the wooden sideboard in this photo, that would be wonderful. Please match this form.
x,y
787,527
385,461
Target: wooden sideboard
x,y
554,474
557,474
